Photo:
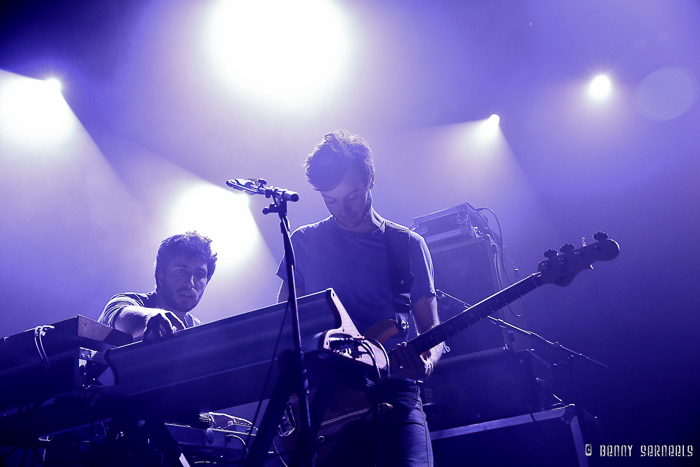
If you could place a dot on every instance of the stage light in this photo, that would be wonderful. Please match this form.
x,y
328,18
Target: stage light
x,y
33,113
479,140
54,84
223,216
287,53
488,129
600,88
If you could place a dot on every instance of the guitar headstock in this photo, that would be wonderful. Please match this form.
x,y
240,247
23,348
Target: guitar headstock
x,y
561,268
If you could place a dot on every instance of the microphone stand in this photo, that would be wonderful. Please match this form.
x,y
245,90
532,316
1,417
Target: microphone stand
x,y
279,206
292,366
570,354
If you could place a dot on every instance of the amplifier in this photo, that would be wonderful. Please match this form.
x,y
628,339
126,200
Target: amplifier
x,y
464,261
486,385
457,224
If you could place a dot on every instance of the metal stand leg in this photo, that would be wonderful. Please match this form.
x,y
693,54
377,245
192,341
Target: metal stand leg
x,y
578,442
284,387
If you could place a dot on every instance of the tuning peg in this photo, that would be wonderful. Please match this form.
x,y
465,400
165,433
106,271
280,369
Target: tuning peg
x,y
600,236
550,253
566,248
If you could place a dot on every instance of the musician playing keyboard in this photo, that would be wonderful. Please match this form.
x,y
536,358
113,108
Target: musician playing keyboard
x,y
184,266
349,251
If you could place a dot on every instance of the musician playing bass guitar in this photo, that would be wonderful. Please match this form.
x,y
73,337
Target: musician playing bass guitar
x,y
379,270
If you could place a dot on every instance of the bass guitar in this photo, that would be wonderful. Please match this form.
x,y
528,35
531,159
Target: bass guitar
x,y
560,268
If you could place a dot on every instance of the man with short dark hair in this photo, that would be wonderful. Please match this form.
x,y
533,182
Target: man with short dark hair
x,y
350,252
184,266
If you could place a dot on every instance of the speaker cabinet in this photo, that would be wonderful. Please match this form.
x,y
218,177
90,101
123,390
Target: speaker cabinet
x,y
486,386
465,257
464,261
466,270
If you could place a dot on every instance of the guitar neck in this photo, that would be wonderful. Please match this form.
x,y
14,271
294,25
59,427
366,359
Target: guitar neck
x,y
473,314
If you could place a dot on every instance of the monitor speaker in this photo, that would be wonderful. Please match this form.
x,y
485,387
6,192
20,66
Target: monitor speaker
x,y
486,386
466,270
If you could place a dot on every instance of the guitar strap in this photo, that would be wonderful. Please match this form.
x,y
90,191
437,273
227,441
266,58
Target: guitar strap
x,y
397,239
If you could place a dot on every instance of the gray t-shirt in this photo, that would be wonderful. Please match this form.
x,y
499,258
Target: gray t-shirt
x,y
356,267
120,301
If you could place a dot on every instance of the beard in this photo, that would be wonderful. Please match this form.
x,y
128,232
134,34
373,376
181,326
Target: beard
x,y
353,222
177,303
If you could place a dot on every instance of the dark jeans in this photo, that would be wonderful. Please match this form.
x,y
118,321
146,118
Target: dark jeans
x,y
406,439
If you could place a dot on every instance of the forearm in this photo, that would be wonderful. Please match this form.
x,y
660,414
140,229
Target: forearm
x,y
132,319
426,316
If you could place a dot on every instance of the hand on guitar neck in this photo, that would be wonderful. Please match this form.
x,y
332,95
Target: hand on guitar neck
x,y
408,363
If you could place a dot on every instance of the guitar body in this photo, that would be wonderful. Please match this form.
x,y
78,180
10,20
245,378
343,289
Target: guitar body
x,y
346,406
383,330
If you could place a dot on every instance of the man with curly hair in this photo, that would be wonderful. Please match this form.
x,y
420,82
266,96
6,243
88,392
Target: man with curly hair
x,y
184,266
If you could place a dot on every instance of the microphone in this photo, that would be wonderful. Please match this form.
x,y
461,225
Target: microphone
x,y
256,186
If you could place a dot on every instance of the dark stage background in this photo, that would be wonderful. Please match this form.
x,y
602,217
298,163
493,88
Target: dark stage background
x,y
82,220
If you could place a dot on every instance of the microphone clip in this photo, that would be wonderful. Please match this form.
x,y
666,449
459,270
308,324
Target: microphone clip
x,y
257,186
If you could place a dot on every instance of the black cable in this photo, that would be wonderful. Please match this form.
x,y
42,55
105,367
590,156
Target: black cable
x,y
24,457
35,455
267,381
2,458
379,413
386,355
278,454
39,333
501,255
499,243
